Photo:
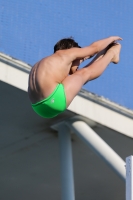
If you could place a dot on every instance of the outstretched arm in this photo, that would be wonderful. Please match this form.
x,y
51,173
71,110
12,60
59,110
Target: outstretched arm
x,y
89,51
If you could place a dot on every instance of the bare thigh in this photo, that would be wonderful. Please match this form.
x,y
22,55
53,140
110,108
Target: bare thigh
x,y
73,84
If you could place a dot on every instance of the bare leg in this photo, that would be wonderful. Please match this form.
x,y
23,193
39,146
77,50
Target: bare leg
x,y
74,82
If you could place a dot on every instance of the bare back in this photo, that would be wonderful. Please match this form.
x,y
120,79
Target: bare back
x,y
46,74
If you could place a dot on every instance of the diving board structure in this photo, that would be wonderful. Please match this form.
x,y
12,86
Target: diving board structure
x,y
89,110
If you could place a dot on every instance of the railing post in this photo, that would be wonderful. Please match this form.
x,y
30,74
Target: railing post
x,y
129,178
66,163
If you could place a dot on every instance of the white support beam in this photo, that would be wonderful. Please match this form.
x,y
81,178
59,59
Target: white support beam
x,y
99,146
129,178
67,177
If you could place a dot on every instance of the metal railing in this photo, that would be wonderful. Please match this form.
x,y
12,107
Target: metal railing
x,y
98,145
129,178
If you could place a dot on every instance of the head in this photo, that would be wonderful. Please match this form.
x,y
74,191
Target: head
x,y
66,43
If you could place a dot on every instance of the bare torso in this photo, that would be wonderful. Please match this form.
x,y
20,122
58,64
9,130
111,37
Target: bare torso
x,y
46,74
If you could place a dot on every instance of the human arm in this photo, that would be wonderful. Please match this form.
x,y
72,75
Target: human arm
x,y
89,51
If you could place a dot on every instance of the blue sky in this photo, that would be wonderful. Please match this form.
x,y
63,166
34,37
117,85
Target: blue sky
x,y
29,29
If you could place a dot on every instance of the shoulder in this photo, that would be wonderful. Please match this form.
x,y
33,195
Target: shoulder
x,y
69,54
68,51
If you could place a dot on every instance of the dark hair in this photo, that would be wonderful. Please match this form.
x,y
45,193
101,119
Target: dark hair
x,y
66,43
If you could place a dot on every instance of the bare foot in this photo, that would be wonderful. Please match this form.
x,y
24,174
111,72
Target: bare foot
x,y
116,51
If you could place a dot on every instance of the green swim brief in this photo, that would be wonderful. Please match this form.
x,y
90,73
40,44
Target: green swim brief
x,y
53,105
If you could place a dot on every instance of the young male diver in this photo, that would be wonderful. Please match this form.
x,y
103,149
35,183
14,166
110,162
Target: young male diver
x,y
55,80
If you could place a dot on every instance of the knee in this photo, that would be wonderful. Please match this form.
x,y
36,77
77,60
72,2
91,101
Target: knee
x,y
84,75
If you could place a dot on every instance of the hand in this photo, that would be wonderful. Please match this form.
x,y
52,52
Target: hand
x,y
115,38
